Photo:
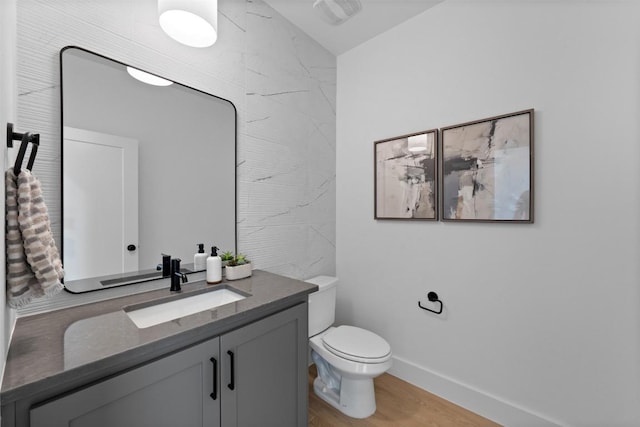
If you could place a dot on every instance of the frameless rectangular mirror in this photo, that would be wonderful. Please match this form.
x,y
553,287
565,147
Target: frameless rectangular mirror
x,y
146,169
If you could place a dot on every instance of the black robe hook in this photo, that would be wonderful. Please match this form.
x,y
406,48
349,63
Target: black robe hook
x,y
27,138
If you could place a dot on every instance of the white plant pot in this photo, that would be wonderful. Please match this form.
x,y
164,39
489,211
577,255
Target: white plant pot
x,y
238,271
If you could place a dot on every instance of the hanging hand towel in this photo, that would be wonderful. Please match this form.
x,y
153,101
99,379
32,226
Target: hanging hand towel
x,y
33,261
22,284
39,246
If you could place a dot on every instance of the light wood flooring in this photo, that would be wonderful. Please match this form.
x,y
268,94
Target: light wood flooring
x,y
399,404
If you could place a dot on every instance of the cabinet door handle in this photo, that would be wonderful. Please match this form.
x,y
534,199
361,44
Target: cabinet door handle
x,y
231,385
214,393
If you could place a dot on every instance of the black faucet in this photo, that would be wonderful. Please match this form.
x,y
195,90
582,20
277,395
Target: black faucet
x,y
176,276
165,266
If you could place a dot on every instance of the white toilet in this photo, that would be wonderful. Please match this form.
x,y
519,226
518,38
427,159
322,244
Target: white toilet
x,y
350,357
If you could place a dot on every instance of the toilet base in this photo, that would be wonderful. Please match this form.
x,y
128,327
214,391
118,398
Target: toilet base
x,y
357,397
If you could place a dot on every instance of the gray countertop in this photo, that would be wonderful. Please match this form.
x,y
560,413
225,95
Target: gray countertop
x,y
60,350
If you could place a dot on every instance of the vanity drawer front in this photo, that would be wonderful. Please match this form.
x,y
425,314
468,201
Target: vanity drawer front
x,y
172,391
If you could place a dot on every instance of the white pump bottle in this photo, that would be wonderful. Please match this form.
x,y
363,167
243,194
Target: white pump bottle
x,y
200,258
214,267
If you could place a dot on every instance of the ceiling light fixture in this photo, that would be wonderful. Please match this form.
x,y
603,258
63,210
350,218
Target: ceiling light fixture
x,y
147,78
335,12
191,22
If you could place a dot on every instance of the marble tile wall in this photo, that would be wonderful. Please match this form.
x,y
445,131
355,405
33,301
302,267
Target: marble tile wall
x,y
282,83
287,162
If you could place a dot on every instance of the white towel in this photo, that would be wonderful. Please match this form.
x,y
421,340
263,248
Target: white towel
x,y
34,268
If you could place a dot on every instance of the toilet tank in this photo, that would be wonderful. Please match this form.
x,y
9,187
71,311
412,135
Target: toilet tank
x,y
322,304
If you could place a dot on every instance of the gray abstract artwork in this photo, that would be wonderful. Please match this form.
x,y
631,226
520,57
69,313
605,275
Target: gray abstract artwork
x,y
406,177
487,169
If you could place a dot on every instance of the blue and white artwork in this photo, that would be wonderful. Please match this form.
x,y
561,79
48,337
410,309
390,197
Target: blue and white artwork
x,y
487,169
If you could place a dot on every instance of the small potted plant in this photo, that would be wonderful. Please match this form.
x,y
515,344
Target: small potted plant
x,y
238,268
225,257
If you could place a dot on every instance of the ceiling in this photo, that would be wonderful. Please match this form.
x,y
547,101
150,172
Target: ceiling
x,y
376,17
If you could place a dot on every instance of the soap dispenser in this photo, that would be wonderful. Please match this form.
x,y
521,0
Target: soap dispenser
x,y
200,259
214,267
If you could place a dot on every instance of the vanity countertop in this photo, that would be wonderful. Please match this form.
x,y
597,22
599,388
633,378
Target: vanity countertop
x,y
62,349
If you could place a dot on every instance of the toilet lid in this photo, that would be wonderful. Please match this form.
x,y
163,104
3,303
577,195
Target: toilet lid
x,y
357,344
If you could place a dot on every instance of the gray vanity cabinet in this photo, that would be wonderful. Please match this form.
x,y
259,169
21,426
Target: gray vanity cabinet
x,y
261,380
172,391
268,384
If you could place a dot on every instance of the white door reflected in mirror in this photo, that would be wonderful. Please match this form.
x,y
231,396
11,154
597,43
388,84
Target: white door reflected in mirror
x,y
100,196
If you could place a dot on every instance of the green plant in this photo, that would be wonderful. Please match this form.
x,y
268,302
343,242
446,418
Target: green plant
x,y
239,259
226,256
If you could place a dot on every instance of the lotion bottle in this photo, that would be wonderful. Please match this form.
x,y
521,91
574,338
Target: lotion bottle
x,y
214,267
200,259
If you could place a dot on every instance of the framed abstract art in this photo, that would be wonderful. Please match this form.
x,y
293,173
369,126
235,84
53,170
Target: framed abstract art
x,y
487,169
406,177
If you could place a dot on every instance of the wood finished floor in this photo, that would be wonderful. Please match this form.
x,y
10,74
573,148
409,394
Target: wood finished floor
x,y
399,404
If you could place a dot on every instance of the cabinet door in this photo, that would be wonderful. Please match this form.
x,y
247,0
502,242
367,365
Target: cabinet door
x,y
264,374
172,391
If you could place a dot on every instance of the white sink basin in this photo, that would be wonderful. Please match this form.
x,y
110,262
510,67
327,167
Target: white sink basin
x,y
164,312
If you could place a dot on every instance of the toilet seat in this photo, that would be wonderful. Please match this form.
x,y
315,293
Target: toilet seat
x,y
357,344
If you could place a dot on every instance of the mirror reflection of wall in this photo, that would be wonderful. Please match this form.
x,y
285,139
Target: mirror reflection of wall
x,y
186,148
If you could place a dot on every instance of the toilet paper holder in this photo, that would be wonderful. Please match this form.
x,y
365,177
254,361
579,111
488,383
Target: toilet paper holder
x,y
433,297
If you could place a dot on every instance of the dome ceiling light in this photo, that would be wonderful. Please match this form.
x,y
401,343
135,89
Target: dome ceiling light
x,y
190,22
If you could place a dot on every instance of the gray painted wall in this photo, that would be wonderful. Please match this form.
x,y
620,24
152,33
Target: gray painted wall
x,y
8,113
541,323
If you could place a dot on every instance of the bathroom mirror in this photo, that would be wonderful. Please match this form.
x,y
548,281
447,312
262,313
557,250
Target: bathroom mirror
x,y
146,170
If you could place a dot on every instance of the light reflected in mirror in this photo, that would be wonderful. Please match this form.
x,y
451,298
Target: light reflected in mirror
x,y
146,170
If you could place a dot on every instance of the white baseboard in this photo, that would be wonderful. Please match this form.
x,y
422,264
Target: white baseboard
x,y
481,403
